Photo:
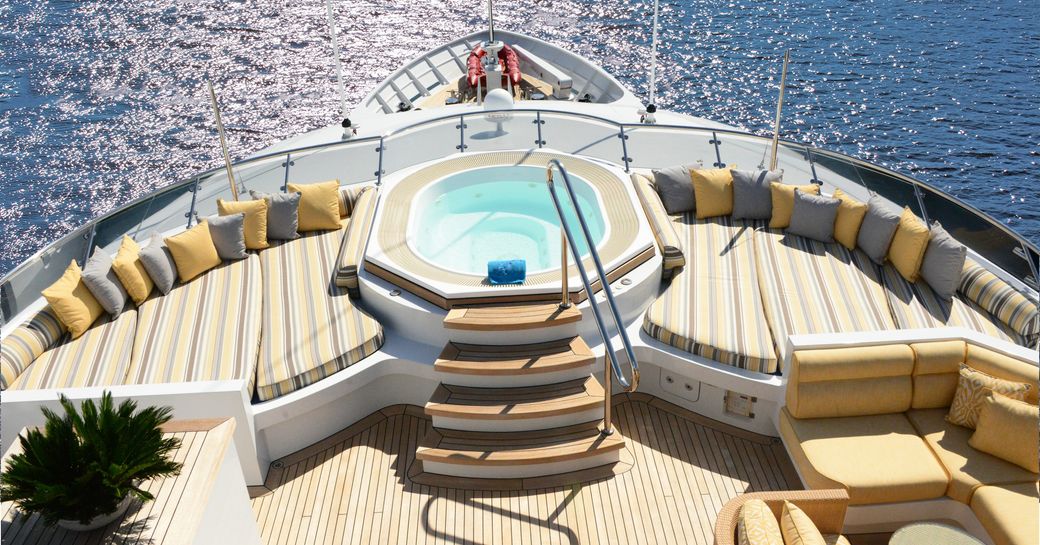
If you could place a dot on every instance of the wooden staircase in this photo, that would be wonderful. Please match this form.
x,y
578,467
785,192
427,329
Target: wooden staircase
x,y
515,416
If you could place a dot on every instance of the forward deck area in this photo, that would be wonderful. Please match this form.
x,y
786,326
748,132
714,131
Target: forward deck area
x,y
681,468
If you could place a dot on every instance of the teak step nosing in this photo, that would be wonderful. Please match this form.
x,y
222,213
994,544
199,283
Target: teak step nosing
x,y
512,317
462,402
512,360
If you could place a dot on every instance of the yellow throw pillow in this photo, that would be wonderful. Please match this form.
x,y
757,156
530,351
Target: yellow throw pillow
x,y
908,245
798,528
255,226
131,271
850,216
193,251
1007,429
712,191
973,387
783,202
319,206
756,525
72,302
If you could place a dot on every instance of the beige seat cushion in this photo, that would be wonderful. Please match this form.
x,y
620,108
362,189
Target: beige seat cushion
x,y
1009,513
968,468
878,459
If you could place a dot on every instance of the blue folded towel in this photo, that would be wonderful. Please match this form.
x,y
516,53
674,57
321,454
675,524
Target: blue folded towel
x,y
507,271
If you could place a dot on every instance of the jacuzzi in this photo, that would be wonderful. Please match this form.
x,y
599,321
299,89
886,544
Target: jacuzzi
x,y
438,224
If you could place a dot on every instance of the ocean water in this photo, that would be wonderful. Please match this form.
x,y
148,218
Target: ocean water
x,y
104,100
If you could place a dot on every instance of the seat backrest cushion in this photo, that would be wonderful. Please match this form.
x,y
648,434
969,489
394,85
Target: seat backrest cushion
x,y
857,381
935,373
1005,367
1000,300
26,343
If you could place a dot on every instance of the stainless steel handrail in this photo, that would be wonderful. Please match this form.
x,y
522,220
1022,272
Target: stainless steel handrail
x,y
611,357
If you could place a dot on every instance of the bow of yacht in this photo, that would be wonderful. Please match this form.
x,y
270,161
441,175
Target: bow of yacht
x,y
697,316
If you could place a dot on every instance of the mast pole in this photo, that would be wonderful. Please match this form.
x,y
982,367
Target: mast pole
x,y
223,140
339,64
491,21
779,109
653,58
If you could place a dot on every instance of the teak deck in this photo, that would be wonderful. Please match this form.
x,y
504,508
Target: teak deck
x,y
354,488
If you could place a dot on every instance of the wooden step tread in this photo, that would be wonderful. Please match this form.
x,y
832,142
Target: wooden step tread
x,y
510,317
484,450
548,357
510,403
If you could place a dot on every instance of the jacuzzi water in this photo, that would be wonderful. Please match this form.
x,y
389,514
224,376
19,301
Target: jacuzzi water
x,y
505,212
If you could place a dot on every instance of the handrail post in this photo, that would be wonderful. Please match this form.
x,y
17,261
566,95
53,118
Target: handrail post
x,y
624,146
194,197
718,154
288,163
379,169
462,134
565,296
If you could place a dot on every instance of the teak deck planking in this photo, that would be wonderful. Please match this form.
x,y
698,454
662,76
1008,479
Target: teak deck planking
x,y
353,487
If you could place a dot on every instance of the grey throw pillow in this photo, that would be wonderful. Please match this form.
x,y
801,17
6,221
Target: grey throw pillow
x,y
752,197
103,283
676,189
813,216
228,235
877,229
282,214
159,263
943,262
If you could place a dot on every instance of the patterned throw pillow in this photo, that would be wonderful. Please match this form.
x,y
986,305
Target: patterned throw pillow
x,y
756,525
973,387
798,528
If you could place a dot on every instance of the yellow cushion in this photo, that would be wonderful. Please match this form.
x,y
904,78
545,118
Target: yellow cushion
x,y
255,226
908,245
193,251
72,302
798,528
131,271
713,191
850,216
1008,512
878,459
783,202
756,525
935,373
319,205
973,387
1007,429
967,467
1005,367
856,381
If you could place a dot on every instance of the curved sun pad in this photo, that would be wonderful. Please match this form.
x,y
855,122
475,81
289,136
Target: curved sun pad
x,y
311,327
712,307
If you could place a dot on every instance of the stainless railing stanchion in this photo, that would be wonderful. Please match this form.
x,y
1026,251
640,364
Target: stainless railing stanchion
x,y
288,163
610,359
379,169
194,197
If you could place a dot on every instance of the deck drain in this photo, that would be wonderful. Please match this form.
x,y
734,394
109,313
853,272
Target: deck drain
x,y
278,464
395,293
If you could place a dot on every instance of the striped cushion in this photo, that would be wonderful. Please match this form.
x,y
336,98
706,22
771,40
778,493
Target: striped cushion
x,y
206,329
712,308
99,357
348,197
353,248
25,344
915,306
814,287
667,240
1000,299
311,328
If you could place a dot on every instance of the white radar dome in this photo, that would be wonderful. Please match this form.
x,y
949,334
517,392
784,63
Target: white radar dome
x,y
498,99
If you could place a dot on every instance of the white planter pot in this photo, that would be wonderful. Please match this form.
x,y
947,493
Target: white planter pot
x,y
98,521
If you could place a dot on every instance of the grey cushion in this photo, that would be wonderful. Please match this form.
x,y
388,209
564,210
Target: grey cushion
x,y
675,187
283,211
228,235
943,262
752,197
159,263
103,283
813,216
877,229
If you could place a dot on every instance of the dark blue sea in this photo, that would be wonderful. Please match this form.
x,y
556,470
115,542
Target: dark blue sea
x,y
102,101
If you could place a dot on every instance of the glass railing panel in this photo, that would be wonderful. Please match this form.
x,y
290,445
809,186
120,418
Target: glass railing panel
x,y
265,175
426,142
350,163
841,170
162,212
501,131
582,136
656,147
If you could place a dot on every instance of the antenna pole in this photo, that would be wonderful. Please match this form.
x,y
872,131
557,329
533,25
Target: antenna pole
x,y
491,21
339,65
223,141
779,109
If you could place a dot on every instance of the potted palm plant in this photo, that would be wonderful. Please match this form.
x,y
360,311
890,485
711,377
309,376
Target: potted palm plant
x,y
83,469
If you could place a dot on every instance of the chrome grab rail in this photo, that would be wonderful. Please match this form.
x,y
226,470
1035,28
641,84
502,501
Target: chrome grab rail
x,y
611,361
